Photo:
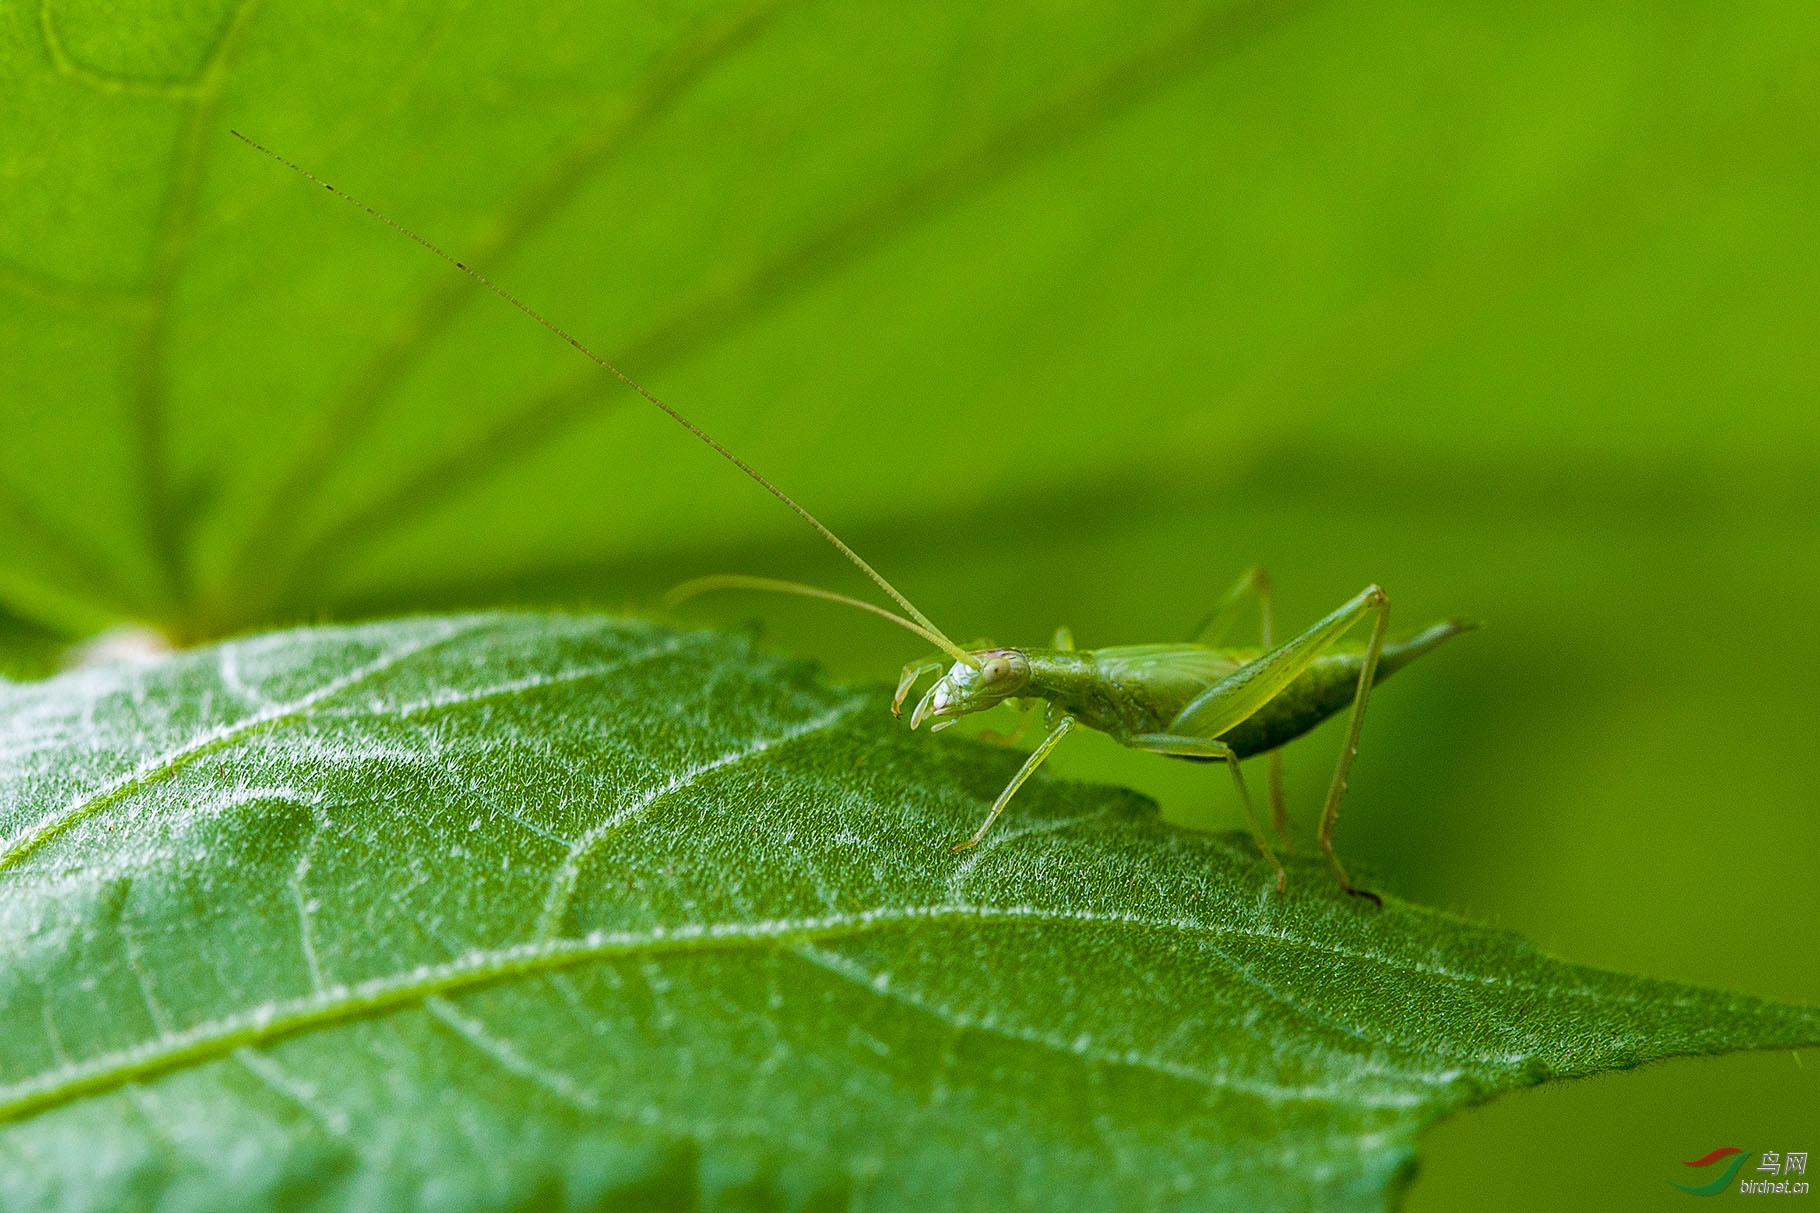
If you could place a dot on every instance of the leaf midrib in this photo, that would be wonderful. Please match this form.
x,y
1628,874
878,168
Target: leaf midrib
x,y
378,996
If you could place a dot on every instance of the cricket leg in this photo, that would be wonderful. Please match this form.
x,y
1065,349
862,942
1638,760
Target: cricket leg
x,y
1031,763
1273,778
1025,719
1201,747
1273,762
915,671
1248,688
1064,640
1254,584
913,674
1217,622
1237,696
1330,812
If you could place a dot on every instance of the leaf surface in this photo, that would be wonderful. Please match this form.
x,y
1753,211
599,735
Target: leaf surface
x,y
469,911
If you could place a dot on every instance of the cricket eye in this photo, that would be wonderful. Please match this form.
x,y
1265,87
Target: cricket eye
x,y
995,669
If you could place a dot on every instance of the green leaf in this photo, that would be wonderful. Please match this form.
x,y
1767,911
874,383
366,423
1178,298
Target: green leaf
x,y
499,909
1058,313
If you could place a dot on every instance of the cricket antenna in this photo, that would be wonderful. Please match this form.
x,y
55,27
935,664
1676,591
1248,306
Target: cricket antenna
x,y
771,585
925,626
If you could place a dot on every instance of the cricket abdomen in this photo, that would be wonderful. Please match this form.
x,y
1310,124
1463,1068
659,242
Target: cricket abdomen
x,y
1140,689
1325,689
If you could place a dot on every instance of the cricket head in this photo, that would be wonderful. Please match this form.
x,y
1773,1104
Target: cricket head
x,y
990,678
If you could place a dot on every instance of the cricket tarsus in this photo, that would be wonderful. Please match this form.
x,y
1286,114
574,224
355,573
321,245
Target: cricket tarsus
x,y
1195,700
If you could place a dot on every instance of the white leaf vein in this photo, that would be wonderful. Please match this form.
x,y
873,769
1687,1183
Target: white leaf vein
x,y
211,1039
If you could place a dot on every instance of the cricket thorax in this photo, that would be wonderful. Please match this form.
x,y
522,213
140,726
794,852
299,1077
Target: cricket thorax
x,y
1075,682
1000,674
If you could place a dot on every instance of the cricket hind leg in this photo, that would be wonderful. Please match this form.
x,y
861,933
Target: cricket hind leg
x,y
1061,730
1241,693
1202,747
1254,584
1330,812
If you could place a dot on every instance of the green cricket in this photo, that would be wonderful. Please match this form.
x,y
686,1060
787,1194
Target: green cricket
x,y
1198,700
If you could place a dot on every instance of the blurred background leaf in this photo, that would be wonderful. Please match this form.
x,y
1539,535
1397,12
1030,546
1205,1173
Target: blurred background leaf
x,y
1057,312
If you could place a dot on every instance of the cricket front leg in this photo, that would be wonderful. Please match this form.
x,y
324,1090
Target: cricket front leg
x,y
915,671
1064,640
1202,747
913,674
1061,730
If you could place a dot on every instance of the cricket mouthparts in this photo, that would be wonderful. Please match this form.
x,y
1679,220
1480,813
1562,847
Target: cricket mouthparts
x,y
931,704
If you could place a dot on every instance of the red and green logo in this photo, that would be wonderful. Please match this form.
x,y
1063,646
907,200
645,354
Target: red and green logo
x,y
1725,1178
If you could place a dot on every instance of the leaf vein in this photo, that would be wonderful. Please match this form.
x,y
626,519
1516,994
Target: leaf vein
x,y
295,1091
870,224
502,1054
568,873
1090,1054
28,840
647,99
278,1019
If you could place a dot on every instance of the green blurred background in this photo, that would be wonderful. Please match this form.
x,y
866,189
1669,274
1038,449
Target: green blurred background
x,y
1058,312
